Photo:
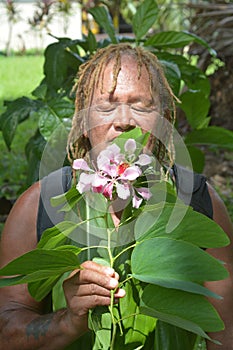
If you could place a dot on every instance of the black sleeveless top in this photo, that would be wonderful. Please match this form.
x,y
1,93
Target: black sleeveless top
x,y
191,188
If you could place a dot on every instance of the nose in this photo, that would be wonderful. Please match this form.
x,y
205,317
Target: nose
x,y
124,120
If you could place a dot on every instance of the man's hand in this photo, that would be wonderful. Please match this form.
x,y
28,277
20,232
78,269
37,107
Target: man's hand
x,y
87,288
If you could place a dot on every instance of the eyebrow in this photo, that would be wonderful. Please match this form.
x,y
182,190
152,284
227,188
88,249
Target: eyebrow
x,y
107,98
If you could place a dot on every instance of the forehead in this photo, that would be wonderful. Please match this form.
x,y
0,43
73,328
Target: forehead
x,y
124,78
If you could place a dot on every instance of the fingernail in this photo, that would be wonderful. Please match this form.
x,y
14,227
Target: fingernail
x,y
121,293
113,283
110,271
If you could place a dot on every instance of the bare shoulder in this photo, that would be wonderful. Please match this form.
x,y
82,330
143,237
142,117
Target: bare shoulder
x,y
19,232
222,218
220,214
18,237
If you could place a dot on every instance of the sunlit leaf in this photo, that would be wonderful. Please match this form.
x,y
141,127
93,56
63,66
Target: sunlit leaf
x,y
144,18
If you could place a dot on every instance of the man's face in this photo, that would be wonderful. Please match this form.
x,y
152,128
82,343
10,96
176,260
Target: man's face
x,y
130,105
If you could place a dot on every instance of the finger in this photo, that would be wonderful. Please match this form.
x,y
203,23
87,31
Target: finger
x,y
106,270
89,276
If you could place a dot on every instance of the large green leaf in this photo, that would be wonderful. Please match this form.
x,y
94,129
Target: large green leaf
x,y
69,199
203,232
54,114
40,289
194,78
60,65
173,75
144,18
40,260
174,39
100,322
198,158
177,264
169,337
185,310
103,18
58,234
137,326
17,111
34,150
196,107
213,135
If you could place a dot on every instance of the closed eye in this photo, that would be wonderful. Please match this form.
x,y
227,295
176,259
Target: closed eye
x,y
105,107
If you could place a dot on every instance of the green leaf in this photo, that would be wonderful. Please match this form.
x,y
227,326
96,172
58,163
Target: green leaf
x,y
179,265
58,234
60,65
185,310
17,111
34,150
174,39
103,18
39,260
144,18
53,116
173,75
69,199
100,322
92,43
40,289
198,159
194,77
196,107
137,326
213,135
170,337
203,232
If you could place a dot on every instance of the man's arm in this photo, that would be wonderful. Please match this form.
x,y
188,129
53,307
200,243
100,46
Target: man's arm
x,y
25,323
224,287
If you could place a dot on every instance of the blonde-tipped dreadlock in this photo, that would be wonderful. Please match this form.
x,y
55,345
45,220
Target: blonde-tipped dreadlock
x,y
92,72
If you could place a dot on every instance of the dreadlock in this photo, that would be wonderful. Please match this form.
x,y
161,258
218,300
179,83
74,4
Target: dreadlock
x,y
92,72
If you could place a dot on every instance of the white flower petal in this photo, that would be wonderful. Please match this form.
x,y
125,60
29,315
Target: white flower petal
x,y
136,201
81,164
85,181
131,173
98,180
143,159
144,192
130,146
123,190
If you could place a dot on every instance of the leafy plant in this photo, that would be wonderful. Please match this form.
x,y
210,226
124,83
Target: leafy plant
x,y
162,267
53,101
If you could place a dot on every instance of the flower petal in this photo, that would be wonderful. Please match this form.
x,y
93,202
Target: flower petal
x,y
108,189
131,173
85,182
81,164
130,146
98,180
144,192
136,201
143,159
123,190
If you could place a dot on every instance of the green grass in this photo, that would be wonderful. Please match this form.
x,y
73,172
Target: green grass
x,y
19,75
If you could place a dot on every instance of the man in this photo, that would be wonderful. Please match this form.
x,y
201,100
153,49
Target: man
x,y
129,89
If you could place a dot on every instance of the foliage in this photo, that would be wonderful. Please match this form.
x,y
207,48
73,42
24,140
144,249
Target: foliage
x,y
53,102
158,295
17,81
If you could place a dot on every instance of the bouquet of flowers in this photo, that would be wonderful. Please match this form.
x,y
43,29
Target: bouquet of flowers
x,y
158,253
